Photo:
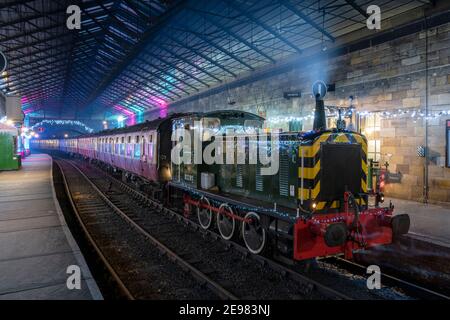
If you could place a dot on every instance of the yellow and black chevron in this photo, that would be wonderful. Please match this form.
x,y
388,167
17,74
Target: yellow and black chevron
x,y
311,169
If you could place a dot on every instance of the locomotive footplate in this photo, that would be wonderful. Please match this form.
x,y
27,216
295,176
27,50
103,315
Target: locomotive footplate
x,y
246,204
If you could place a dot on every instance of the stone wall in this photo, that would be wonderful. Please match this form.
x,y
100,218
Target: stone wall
x,y
389,76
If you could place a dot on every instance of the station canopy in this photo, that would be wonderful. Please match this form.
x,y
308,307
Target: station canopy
x,y
138,56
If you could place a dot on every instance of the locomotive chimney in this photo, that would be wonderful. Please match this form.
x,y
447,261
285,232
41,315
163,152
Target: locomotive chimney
x,y
319,115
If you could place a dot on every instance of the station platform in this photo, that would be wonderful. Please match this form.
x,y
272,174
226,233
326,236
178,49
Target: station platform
x,y
429,222
36,246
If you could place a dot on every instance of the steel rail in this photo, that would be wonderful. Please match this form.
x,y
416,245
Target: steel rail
x,y
91,240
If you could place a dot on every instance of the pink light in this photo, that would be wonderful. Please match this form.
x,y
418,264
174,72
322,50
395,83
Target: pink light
x,y
163,112
131,120
163,106
123,110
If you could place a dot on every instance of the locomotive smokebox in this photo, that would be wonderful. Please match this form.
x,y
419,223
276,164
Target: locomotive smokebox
x,y
319,115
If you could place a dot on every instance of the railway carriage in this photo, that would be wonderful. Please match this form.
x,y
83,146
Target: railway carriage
x,y
315,204
48,144
69,145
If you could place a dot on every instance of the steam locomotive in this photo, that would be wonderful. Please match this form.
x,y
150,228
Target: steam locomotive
x,y
315,204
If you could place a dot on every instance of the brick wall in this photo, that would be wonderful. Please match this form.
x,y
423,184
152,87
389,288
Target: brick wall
x,y
389,76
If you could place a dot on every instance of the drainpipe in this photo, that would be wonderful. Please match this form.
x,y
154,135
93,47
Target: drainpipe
x,y
427,157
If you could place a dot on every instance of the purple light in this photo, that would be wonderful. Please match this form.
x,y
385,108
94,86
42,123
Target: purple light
x,y
163,106
131,120
163,112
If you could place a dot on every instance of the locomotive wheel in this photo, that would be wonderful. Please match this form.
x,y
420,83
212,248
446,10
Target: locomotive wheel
x,y
204,215
253,233
225,223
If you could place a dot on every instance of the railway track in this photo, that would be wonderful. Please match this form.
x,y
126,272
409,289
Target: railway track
x,y
104,181
103,225
226,268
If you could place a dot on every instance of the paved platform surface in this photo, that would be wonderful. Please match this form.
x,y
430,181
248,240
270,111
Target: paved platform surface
x,y
429,222
36,246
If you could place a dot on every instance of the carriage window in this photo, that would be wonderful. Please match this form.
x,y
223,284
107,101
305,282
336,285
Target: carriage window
x,y
211,123
150,150
117,147
137,151
122,147
251,126
210,126
129,149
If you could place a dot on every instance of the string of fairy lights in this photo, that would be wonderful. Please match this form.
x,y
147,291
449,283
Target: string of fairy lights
x,y
414,114
62,123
